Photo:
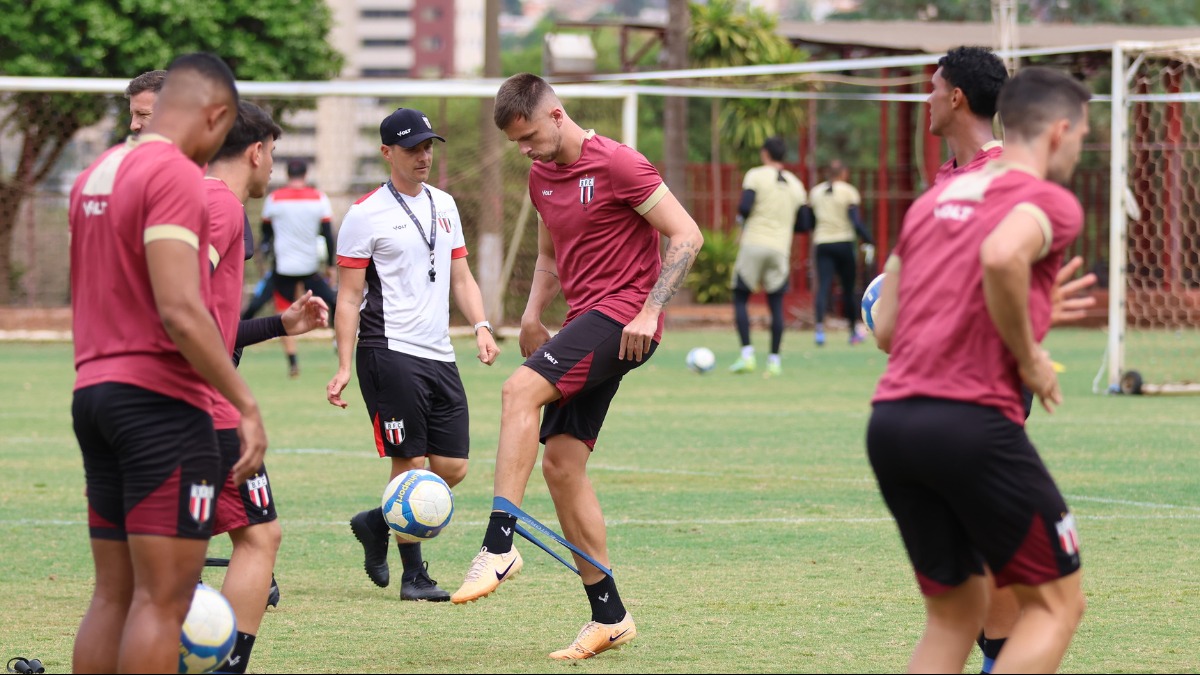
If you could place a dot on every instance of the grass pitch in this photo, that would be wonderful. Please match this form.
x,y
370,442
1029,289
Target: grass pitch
x,y
746,531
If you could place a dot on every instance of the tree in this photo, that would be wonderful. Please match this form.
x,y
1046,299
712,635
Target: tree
x,y
259,39
726,33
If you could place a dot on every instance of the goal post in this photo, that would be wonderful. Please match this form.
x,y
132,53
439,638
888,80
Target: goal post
x,y
1154,267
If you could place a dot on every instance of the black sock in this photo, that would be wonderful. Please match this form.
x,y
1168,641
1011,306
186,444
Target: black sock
x,y
378,525
606,602
992,646
241,654
982,642
410,555
499,535
291,359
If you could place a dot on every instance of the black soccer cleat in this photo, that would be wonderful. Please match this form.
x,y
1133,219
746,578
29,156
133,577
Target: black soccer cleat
x,y
416,585
273,594
375,548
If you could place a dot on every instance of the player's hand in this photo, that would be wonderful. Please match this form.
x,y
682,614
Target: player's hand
x,y
488,351
533,335
637,337
333,390
305,314
1064,307
1041,379
253,439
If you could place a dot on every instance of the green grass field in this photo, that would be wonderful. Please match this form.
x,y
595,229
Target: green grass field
x,y
746,531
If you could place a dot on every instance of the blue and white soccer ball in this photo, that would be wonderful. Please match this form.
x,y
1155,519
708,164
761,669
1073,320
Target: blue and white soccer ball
x,y
701,360
870,296
417,505
209,632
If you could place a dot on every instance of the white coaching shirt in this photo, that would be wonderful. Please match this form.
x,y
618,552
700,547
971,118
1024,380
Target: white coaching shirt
x,y
402,309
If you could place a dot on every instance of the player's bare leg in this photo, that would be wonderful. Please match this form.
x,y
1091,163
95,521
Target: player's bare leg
x,y
1002,615
524,394
165,572
564,465
249,577
96,643
953,620
1050,615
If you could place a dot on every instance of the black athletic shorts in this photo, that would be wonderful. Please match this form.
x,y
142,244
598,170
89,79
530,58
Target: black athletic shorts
x,y
150,462
238,506
417,406
581,362
966,488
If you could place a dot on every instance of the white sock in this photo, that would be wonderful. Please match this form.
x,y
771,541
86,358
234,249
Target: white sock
x,y
748,352
774,359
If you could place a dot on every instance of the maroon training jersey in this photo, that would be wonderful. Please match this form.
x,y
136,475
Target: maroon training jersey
x,y
944,344
143,191
990,150
227,217
606,251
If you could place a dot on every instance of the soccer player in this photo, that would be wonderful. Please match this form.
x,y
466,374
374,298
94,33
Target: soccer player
x,y
601,208
142,92
401,253
240,170
835,206
146,367
1001,231
771,197
962,104
293,218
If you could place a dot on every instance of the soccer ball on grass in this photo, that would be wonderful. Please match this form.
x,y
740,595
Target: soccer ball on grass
x,y
701,360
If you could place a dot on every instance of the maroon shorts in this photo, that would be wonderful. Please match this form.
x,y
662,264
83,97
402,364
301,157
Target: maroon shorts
x,y
581,362
967,488
150,461
252,502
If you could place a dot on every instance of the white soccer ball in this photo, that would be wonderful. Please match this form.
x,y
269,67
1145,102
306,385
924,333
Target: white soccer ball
x,y
869,304
701,360
417,505
209,632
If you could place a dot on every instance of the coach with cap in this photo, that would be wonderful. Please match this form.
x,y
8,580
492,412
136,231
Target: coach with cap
x,y
401,254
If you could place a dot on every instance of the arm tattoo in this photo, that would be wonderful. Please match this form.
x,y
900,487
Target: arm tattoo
x,y
547,272
676,264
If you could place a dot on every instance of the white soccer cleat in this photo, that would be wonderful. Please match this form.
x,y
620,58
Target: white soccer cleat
x,y
488,571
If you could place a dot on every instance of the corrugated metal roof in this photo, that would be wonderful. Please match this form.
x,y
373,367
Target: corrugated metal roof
x,y
937,37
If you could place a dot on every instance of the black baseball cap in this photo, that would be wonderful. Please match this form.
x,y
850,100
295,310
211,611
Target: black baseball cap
x,y
407,128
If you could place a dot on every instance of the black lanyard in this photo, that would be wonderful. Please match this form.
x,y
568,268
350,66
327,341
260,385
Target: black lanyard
x,y
432,241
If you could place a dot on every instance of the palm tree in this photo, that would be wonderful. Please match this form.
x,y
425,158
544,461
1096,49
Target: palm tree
x,y
728,33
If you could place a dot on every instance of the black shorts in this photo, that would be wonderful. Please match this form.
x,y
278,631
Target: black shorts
x,y
581,362
417,406
286,289
252,502
967,488
150,462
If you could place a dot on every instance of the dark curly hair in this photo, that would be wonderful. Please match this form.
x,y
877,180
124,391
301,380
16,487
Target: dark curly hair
x,y
979,73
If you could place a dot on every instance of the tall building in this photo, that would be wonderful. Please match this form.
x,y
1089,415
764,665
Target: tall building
x,y
380,39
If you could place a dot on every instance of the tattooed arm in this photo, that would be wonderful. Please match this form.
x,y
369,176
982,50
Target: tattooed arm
x,y
683,243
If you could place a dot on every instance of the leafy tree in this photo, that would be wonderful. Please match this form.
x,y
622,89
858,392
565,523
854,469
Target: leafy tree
x,y
259,39
727,33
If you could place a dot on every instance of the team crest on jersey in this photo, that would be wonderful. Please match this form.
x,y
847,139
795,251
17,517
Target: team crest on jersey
x,y
200,502
1068,536
260,495
587,190
394,431
444,221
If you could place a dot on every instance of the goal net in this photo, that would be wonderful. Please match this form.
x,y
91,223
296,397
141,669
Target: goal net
x,y
1154,301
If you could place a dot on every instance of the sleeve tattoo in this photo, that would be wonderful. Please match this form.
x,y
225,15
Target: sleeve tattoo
x,y
676,264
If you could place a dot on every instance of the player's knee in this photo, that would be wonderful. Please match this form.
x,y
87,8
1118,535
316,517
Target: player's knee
x,y
559,470
452,473
265,537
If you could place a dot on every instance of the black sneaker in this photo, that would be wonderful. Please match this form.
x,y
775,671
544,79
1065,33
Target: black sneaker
x,y
273,594
416,585
375,548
